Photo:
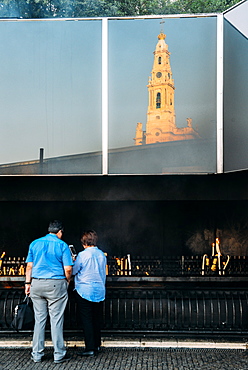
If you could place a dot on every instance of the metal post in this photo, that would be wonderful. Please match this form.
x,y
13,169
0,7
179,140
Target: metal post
x,y
41,159
220,52
104,96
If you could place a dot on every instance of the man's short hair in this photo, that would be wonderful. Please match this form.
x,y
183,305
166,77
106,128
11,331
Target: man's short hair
x,y
55,226
89,238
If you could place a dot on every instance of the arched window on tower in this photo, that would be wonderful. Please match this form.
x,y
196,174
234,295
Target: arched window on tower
x,y
158,100
159,60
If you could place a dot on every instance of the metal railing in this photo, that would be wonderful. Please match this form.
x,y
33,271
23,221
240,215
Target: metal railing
x,y
130,308
180,310
154,294
172,266
147,266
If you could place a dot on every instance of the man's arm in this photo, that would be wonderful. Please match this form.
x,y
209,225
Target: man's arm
x,y
68,272
28,277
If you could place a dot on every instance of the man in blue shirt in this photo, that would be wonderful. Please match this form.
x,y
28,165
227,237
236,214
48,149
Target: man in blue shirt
x,y
90,277
48,273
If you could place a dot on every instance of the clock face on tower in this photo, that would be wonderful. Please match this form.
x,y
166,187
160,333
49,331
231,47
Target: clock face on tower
x,y
159,74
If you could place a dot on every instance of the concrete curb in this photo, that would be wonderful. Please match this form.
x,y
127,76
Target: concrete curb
x,y
136,343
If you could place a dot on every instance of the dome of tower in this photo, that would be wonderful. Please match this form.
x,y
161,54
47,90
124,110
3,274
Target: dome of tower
x,y
161,36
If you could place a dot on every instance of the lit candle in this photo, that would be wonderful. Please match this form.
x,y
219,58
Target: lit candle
x,y
213,249
21,270
219,264
107,268
129,264
122,266
125,266
1,259
217,245
203,264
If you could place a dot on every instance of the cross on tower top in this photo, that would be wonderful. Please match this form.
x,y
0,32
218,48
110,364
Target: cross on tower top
x,y
162,26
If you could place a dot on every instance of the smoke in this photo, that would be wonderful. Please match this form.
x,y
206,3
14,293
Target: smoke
x,y
233,241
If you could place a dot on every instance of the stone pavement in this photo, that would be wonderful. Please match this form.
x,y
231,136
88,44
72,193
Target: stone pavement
x,y
131,354
131,359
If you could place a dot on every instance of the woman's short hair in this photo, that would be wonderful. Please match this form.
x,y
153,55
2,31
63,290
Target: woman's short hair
x,y
89,238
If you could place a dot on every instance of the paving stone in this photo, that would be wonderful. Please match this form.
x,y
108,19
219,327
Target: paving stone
x,y
131,359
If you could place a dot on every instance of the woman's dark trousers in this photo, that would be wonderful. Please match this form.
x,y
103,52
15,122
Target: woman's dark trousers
x,y
90,314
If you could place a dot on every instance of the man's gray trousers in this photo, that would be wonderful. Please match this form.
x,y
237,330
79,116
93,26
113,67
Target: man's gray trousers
x,y
49,296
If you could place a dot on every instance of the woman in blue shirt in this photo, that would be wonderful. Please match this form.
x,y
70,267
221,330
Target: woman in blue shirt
x,y
90,277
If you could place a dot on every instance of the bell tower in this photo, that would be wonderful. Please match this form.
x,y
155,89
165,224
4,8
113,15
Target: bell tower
x,y
161,111
161,118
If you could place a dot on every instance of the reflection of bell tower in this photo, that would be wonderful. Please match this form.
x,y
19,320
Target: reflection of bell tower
x,y
161,126
161,113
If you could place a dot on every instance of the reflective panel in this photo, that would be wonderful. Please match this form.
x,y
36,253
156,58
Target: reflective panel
x,y
237,16
235,99
162,96
50,97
